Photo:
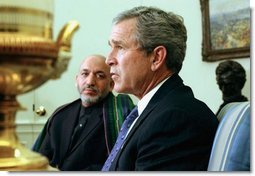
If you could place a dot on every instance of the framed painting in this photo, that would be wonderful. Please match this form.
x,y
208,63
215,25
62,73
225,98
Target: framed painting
x,y
226,29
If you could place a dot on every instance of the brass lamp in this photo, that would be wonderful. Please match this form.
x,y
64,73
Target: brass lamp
x,y
28,58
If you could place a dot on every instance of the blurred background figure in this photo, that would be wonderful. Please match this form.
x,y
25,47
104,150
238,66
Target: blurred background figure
x,y
231,77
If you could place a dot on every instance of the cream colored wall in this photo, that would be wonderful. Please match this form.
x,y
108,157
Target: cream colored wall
x,y
95,18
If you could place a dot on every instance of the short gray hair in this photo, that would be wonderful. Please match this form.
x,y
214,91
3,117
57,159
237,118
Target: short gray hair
x,y
156,27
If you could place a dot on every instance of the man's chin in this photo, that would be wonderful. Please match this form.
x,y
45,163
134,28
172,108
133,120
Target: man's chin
x,y
118,88
90,99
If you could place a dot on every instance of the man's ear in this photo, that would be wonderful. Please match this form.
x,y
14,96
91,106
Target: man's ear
x,y
158,57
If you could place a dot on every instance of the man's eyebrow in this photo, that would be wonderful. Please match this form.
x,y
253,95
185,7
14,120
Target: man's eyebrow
x,y
115,42
99,71
85,69
94,72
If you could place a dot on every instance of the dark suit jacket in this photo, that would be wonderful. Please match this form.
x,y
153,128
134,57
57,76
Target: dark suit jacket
x,y
175,132
89,153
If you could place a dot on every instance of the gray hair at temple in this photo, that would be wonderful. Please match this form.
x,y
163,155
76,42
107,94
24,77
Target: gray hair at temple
x,y
156,27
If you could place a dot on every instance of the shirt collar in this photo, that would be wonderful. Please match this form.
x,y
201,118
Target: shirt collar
x,y
145,100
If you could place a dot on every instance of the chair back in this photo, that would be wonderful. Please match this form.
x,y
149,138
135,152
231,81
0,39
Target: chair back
x,y
231,147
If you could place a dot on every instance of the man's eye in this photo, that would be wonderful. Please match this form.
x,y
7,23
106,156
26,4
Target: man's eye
x,y
84,74
101,76
119,47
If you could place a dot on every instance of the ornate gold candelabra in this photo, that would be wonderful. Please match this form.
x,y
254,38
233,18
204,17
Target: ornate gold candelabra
x,y
28,58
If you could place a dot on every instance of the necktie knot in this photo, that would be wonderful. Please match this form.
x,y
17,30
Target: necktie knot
x,y
133,114
128,122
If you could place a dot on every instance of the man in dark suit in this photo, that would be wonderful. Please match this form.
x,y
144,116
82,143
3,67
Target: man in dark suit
x,y
80,135
174,131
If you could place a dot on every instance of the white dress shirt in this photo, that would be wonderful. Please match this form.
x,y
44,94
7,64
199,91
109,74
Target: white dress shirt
x,y
141,105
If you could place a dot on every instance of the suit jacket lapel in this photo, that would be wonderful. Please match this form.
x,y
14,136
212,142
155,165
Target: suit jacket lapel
x,y
70,121
92,124
173,82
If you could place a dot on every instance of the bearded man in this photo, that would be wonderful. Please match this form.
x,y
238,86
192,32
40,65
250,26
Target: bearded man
x,y
80,135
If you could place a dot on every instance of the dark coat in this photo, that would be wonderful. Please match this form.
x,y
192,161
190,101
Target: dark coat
x,y
90,151
175,132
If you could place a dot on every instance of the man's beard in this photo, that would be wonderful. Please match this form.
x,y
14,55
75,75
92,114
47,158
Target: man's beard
x,y
90,100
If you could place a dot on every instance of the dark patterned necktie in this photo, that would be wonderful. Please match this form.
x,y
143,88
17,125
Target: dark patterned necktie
x,y
121,138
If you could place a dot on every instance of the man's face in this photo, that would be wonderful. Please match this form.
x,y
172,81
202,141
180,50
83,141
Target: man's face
x,y
93,81
129,64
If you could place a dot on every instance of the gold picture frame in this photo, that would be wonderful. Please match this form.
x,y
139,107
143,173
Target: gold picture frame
x,y
226,33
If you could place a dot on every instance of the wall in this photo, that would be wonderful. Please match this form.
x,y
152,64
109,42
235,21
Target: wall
x,y
95,18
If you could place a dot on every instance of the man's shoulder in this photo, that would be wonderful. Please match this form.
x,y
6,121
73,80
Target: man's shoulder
x,y
66,106
64,109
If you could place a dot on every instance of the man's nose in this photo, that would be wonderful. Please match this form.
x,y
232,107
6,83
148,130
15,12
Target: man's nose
x,y
91,79
110,60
